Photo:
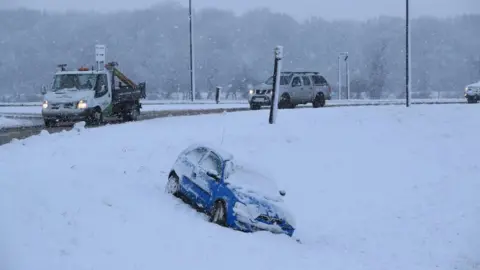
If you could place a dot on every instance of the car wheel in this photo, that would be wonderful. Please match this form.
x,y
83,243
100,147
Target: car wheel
x,y
472,100
219,214
254,106
285,102
173,185
319,100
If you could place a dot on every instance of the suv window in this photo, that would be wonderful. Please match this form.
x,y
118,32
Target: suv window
x,y
212,163
195,155
296,82
306,80
319,80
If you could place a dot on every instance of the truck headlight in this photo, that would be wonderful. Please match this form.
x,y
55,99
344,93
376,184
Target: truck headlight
x,y
45,104
82,104
251,91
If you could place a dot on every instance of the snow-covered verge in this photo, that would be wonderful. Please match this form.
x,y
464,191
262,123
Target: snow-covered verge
x,y
9,122
371,188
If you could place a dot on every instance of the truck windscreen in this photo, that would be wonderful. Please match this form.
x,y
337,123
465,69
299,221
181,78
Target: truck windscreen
x,y
74,81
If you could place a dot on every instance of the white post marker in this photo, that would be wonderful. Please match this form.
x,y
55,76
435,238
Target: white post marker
x,y
100,57
276,86
339,79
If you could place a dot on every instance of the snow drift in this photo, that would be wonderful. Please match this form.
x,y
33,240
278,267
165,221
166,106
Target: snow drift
x,y
370,188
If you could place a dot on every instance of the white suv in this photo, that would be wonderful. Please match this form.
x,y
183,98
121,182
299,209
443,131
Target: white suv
x,y
472,92
295,88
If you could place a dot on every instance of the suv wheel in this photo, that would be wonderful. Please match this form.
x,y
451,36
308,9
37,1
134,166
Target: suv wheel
x,y
254,106
472,100
319,100
285,102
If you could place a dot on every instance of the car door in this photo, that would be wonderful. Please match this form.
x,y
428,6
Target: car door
x,y
189,172
307,89
210,171
296,90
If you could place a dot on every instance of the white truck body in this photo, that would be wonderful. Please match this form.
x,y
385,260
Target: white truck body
x,y
90,94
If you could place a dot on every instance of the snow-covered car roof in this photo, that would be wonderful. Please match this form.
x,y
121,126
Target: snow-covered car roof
x,y
224,155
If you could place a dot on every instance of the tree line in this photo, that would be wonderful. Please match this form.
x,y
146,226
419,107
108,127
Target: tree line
x,y
235,52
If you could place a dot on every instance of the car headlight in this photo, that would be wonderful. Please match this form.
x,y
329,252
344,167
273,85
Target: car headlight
x,y
251,91
45,104
82,104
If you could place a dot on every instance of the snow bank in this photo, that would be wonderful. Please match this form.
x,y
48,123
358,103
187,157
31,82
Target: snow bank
x,y
9,122
371,188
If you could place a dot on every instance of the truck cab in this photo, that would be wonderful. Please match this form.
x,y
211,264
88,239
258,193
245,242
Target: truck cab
x,y
90,95
295,88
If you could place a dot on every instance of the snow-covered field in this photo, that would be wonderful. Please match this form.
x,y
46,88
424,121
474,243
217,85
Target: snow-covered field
x,y
371,188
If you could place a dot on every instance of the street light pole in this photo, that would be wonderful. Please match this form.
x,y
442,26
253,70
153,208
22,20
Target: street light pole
x,y
408,66
339,79
347,75
192,65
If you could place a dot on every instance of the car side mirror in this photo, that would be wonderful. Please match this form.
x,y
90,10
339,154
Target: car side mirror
x,y
282,192
44,90
213,175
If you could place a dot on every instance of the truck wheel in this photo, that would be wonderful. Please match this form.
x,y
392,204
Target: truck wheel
x,y
50,123
96,118
132,114
319,100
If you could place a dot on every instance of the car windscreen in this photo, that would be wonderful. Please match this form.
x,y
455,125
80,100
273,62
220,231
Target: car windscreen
x,y
244,176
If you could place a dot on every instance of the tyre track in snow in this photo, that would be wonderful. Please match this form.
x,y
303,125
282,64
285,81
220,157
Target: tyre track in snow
x,y
22,132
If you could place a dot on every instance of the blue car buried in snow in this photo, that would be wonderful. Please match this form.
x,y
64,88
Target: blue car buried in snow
x,y
233,195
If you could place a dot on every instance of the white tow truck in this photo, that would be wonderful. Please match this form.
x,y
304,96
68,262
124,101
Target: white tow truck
x,y
90,95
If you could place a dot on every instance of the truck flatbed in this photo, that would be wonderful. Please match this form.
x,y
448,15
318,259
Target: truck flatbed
x,y
127,93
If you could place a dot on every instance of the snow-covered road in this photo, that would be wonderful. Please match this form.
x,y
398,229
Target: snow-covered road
x,y
371,188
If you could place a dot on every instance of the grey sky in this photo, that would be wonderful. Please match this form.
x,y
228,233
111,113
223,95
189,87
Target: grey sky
x,y
300,9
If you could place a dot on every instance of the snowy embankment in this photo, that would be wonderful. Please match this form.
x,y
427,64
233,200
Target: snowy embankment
x,y
371,188
9,122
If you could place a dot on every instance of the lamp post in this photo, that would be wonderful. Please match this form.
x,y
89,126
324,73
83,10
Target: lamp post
x,y
408,62
192,65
